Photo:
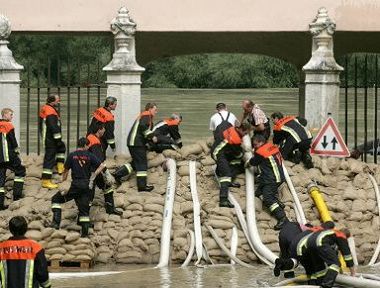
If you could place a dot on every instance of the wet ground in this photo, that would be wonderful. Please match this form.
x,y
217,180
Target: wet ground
x,y
194,277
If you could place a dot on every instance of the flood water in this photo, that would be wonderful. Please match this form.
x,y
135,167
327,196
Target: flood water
x,y
233,276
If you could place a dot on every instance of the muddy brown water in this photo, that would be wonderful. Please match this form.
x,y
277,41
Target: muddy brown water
x,y
193,277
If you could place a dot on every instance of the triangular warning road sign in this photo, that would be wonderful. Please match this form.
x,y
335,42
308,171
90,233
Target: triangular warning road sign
x,y
329,141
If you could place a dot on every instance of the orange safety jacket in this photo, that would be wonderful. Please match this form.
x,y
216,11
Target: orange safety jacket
x,y
50,125
23,264
290,127
95,147
102,115
8,145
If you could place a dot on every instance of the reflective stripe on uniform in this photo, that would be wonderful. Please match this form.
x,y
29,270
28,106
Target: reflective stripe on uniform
x,y
84,219
235,162
111,141
46,283
178,141
334,267
158,125
129,167
347,257
2,190
3,273
275,169
109,190
319,274
322,235
29,271
219,147
273,207
47,171
19,179
224,179
60,156
43,132
57,136
5,147
291,132
302,243
56,206
141,174
147,132
134,132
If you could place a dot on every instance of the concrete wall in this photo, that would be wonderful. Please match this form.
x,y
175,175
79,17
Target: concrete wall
x,y
190,15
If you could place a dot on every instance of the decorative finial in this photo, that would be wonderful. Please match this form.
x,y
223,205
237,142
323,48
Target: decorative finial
x,y
123,23
322,22
5,27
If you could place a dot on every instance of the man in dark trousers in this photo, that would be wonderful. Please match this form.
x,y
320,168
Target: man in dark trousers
x,y
81,163
139,136
269,160
225,150
294,139
9,157
167,134
22,260
104,115
96,148
50,127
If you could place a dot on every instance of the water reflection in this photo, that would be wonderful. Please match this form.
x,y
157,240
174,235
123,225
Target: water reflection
x,y
218,276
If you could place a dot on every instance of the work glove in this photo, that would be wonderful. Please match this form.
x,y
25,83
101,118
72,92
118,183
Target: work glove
x,y
91,183
108,178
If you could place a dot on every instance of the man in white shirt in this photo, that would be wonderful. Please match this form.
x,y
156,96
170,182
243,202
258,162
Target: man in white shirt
x,y
221,108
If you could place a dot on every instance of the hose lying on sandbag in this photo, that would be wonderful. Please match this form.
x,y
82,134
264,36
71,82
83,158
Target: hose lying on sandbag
x,y
206,256
376,188
250,208
300,215
370,276
196,211
225,249
234,242
191,249
167,214
352,246
243,224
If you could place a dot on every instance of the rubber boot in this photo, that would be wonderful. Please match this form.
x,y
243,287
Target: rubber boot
x,y
60,168
57,213
280,215
46,183
2,199
18,185
235,185
329,279
85,228
121,172
224,202
296,157
307,160
142,186
110,205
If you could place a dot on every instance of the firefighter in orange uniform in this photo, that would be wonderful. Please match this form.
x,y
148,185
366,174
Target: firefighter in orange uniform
x,y
55,149
167,134
293,137
104,115
9,157
96,148
268,157
22,261
139,136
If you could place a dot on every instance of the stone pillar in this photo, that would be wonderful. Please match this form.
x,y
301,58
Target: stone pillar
x,y
124,78
321,74
9,76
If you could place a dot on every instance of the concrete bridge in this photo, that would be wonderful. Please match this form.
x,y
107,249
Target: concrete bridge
x,y
172,27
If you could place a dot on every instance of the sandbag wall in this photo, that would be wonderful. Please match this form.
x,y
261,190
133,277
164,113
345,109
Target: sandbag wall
x,y
135,236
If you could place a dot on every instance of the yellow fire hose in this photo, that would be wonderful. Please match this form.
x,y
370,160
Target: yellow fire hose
x,y
324,213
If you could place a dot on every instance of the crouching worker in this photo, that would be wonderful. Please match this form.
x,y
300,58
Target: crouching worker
x,y
226,149
268,157
81,163
104,180
9,158
293,137
138,138
22,260
167,134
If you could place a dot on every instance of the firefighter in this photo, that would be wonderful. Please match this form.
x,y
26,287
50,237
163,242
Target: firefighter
x,y
167,134
226,149
50,127
139,136
104,115
96,148
293,137
81,163
256,119
268,157
22,260
9,157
